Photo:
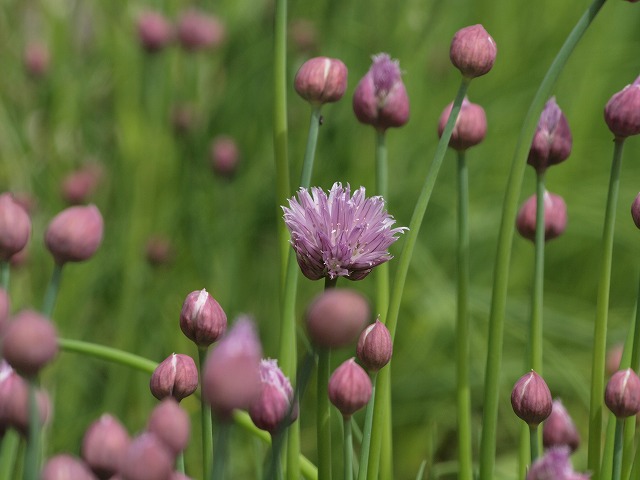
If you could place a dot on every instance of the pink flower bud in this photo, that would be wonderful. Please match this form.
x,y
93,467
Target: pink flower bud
x,y
66,467
531,399
224,156
171,425
552,141
622,112
336,317
4,309
635,210
375,346
15,227
105,445
622,395
349,388
37,59
159,250
231,377
176,376
614,357
303,35
78,187
147,458
154,31
470,127
321,80
202,319
74,234
29,342
197,30
558,429
473,51
269,411
555,217
555,464
183,119
380,98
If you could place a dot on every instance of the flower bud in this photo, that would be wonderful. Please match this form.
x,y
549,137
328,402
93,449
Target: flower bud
x,y
147,458
554,464
197,31
231,378
555,217
552,141
470,127
622,395
14,401
473,51
303,35
170,424
74,234
269,411
531,399
613,359
336,317
176,376
224,156
104,446
622,112
183,119
79,186
15,227
380,98
202,319
349,388
558,429
635,210
66,467
321,80
37,59
159,250
154,31
375,346
4,309
29,342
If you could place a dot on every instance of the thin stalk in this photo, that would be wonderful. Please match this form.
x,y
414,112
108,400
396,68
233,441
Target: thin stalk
x,y
206,423
32,456
630,423
52,291
617,450
180,463
602,309
275,469
366,434
535,332
5,271
323,415
534,442
524,451
348,449
9,454
221,451
109,354
310,151
505,236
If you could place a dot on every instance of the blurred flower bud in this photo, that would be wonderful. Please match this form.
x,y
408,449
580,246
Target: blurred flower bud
x,y
183,119
29,342
622,395
336,317
380,98
531,399
554,465
176,376
269,411
147,458
635,210
224,156
303,35
552,141
78,187
470,127
349,388
14,401
105,445
66,467
74,234
231,378
170,424
15,227
159,250
473,51
375,346
202,319
622,112
614,357
37,59
555,217
558,429
5,304
321,80
197,30
154,31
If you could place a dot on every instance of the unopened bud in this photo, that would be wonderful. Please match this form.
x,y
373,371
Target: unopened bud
x,y
146,458
622,395
159,250
170,424
635,210
154,31
321,80
552,141
74,234
66,467
470,127
555,217
37,59
4,309
270,410
473,51
202,319
14,401
375,346
78,187
197,30
558,429
15,226
176,376
531,399
224,156
104,446
349,388
622,112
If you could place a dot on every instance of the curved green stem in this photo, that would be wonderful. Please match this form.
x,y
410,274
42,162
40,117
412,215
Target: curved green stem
x,y
366,434
52,291
535,333
348,449
206,422
107,353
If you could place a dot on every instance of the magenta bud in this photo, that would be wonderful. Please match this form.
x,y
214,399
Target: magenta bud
x,y
635,210
558,429
555,464
37,59
473,51
74,234
224,156
171,425
154,31
552,141
159,250
613,359
555,217
470,127
231,378
336,317
14,401
321,80
5,304
271,408
375,346
176,376
531,399
66,467
349,388
15,227
147,458
197,30
380,98
303,35
622,395
622,112
104,446
202,319
78,187
29,342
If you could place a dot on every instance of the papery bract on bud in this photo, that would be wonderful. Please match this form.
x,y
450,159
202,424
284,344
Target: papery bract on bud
x,y
622,395
531,399
337,235
269,411
170,424
622,112
176,376
349,388
154,31
321,80
15,226
375,346
66,467
105,445
147,458
552,141
558,429
473,51
224,156
555,217
380,98
198,30
202,319
470,127
554,465
75,234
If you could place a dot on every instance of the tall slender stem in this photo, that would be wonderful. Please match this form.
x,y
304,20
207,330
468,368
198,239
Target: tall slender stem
x,y
221,451
32,457
617,450
5,273
205,422
534,442
9,454
535,333
52,291
366,434
323,419
348,449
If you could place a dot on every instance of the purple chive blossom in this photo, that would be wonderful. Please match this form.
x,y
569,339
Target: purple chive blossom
x,y
555,465
339,235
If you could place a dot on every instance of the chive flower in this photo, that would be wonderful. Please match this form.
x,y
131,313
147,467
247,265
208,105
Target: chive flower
x,y
555,464
339,235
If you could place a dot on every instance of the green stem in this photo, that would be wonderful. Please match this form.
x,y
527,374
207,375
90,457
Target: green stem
x,y
501,271
630,423
366,434
107,353
275,469
534,442
206,423
324,415
310,151
602,308
348,449
9,454
535,334
617,450
180,463
32,456
220,452
382,168
52,291
5,273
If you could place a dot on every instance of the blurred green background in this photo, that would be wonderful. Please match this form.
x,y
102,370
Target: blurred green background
x,y
104,100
